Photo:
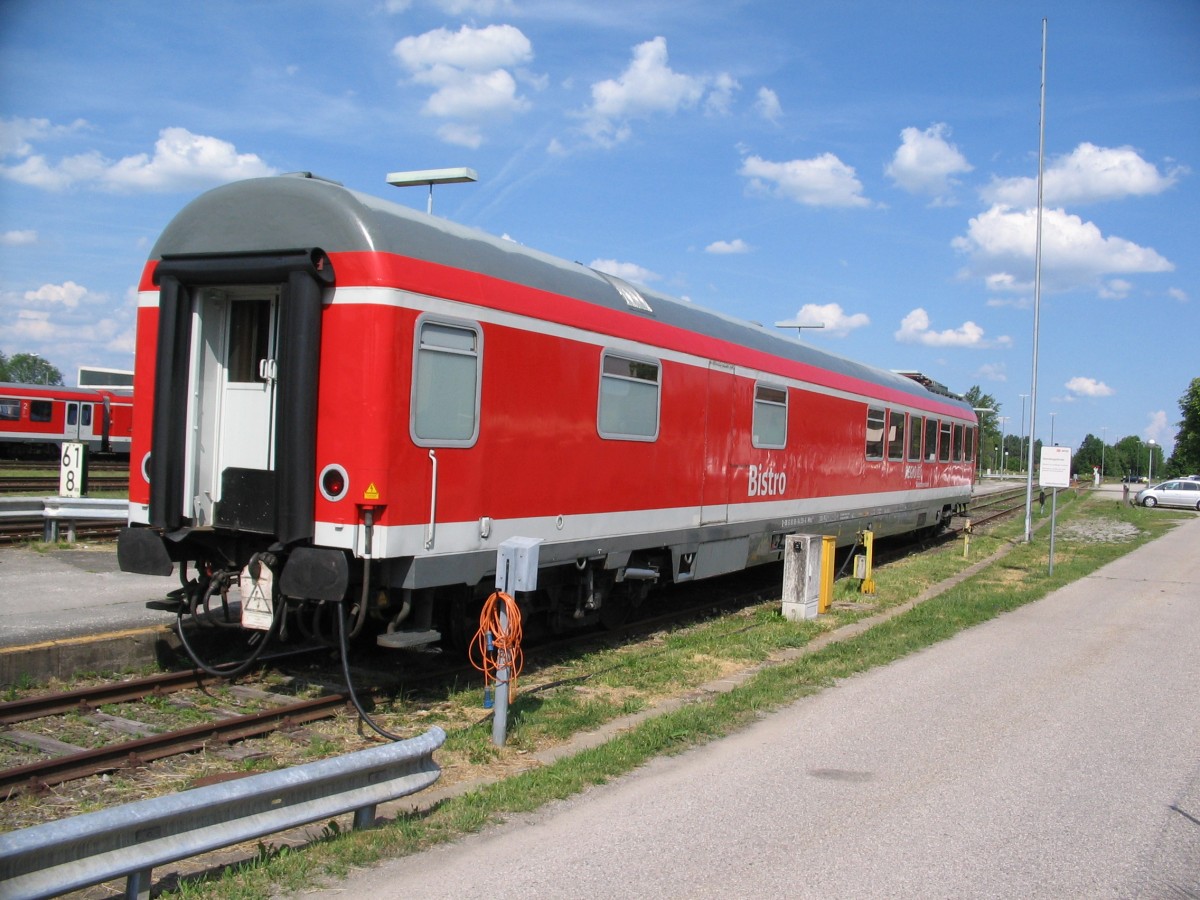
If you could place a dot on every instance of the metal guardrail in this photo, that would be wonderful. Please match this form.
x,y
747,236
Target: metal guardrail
x,y
129,841
57,512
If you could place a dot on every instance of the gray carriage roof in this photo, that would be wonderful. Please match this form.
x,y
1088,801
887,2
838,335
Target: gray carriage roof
x,y
299,211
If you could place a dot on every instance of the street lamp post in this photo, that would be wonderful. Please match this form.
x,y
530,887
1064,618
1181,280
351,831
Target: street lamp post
x,y
1022,454
1103,445
1003,451
1150,465
431,177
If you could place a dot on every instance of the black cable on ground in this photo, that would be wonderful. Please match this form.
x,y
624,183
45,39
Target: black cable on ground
x,y
278,611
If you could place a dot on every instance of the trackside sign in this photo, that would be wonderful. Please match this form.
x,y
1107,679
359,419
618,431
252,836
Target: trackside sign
x,y
1056,467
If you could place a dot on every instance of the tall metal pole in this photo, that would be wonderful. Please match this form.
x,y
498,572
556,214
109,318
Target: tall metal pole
x,y
1037,298
1021,452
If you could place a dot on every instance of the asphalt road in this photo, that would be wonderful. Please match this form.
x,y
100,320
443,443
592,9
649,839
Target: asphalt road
x,y
1053,752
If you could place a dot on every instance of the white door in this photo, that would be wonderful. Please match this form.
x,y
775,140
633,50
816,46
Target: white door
x,y
232,398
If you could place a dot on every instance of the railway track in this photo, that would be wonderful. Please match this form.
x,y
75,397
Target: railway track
x,y
61,761
52,466
22,532
48,484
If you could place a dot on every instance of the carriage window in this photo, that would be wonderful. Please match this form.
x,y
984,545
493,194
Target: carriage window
x,y
629,398
958,443
969,444
72,413
896,435
39,410
931,434
916,427
770,416
944,449
446,378
249,339
875,424
87,414
10,409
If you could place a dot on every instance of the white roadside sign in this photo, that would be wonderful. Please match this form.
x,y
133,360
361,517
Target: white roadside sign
x,y
1056,467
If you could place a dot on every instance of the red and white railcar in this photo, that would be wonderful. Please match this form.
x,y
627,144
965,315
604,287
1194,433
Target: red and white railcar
x,y
35,419
328,377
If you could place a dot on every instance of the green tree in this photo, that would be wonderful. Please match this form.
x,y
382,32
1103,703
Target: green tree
x,y
1186,458
1133,457
3,367
29,368
1091,453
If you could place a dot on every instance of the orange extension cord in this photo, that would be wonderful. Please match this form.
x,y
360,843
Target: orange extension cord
x,y
506,642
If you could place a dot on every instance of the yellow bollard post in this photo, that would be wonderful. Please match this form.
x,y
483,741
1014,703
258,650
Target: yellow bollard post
x,y
868,577
828,549
967,540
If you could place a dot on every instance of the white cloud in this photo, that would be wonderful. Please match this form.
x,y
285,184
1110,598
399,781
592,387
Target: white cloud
x,y
993,372
1089,387
737,245
720,98
17,135
18,238
431,56
1158,428
472,74
1177,294
914,329
767,105
1086,175
646,88
68,294
1001,245
628,271
181,161
822,181
834,319
926,162
1116,289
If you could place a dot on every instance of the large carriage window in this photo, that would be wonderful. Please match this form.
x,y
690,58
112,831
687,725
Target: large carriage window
x,y
896,435
916,426
72,413
446,376
629,390
931,435
39,410
86,415
958,443
875,425
10,409
770,416
969,444
944,449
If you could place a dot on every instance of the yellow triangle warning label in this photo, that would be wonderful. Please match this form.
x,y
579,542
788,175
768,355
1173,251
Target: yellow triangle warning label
x,y
371,493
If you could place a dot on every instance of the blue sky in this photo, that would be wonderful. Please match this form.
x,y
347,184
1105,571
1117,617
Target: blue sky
x,y
869,165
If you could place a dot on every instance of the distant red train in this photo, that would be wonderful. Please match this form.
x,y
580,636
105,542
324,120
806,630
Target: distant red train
x,y
35,419
368,400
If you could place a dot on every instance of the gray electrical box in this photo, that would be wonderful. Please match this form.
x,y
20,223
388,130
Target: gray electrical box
x,y
517,564
801,576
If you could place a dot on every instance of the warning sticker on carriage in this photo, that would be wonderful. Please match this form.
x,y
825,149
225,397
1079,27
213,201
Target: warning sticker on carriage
x,y
258,609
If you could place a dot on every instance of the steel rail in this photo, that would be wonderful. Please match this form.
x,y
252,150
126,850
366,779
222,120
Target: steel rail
x,y
89,699
38,776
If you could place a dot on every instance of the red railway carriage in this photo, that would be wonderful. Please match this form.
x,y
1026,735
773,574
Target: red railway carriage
x,y
35,419
329,378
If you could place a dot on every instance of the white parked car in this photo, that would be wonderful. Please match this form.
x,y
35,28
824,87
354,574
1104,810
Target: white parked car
x,y
1184,492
